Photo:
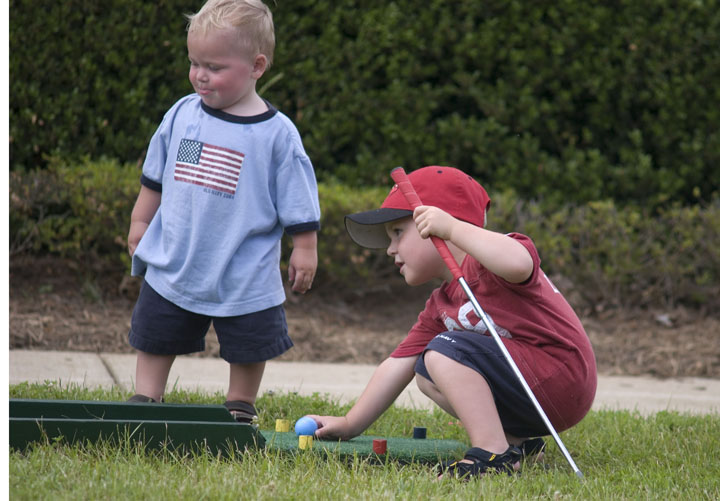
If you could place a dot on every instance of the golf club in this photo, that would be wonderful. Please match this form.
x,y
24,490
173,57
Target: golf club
x,y
401,179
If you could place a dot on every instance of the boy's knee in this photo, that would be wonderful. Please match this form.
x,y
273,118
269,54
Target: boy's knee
x,y
426,386
433,358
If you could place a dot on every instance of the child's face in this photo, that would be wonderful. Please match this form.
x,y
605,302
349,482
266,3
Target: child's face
x,y
417,258
220,71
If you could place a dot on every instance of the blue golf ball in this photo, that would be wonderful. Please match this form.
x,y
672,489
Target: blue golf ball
x,y
305,426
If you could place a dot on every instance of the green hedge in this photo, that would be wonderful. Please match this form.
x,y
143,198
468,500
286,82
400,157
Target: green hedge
x,y
567,101
91,78
80,210
601,255
625,257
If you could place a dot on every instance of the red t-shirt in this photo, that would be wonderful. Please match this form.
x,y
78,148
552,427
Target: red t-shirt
x,y
540,330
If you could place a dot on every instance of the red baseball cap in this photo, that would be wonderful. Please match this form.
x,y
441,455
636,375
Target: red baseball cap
x,y
447,188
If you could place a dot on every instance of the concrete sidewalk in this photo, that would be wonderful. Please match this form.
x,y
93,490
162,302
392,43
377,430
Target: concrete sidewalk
x,y
342,382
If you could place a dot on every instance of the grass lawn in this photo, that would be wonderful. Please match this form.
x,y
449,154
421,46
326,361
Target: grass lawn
x,y
622,455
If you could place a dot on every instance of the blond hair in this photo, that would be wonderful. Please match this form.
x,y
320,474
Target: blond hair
x,y
251,18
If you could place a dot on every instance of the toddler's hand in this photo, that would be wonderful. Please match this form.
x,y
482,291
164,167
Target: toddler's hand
x,y
301,269
137,230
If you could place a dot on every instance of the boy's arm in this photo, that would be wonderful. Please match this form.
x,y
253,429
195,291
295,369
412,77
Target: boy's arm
x,y
386,383
502,255
303,261
145,208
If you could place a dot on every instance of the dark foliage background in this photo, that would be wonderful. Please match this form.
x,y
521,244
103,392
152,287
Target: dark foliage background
x,y
565,101
595,127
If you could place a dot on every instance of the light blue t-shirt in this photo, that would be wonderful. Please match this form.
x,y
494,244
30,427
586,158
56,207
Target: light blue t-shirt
x,y
230,187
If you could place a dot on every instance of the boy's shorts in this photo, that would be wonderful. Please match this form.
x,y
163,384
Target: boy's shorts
x,y
482,354
161,327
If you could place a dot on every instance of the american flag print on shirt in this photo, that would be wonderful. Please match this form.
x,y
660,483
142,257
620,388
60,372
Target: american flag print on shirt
x,y
210,166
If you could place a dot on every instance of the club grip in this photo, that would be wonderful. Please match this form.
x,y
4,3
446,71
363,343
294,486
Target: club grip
x,y
405,186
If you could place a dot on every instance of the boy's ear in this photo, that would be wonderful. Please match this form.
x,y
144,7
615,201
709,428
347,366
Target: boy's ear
x,y
259,66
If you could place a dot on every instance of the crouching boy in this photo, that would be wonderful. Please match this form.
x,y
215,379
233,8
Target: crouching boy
x,y
449,350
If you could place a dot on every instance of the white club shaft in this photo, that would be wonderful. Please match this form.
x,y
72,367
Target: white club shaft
x,y
481,313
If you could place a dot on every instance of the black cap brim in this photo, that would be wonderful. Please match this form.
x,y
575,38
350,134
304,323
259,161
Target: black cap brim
x,y
367,229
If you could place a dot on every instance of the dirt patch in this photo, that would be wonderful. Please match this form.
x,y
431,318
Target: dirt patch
x,y
52,307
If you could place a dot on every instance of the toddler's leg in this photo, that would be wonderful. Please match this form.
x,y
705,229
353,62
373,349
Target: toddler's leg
x,y
239,346
151,374
242,392
245,381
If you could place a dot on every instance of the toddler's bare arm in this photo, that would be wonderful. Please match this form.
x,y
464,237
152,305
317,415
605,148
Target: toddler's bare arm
x,y
303,261
145,208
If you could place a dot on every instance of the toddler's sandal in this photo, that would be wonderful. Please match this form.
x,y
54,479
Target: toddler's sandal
x,y
143,399
482,462
243,412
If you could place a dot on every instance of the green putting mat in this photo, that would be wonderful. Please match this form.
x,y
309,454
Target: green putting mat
x,y
91,409
154,425
406,450
194,427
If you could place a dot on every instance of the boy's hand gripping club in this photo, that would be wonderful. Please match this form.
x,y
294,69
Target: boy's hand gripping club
x,y
405,186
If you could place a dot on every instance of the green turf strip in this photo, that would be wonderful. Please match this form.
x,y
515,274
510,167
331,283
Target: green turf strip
x,y
405,450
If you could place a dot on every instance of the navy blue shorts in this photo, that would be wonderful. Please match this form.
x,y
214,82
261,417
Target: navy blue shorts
x,y
161,327
480,352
